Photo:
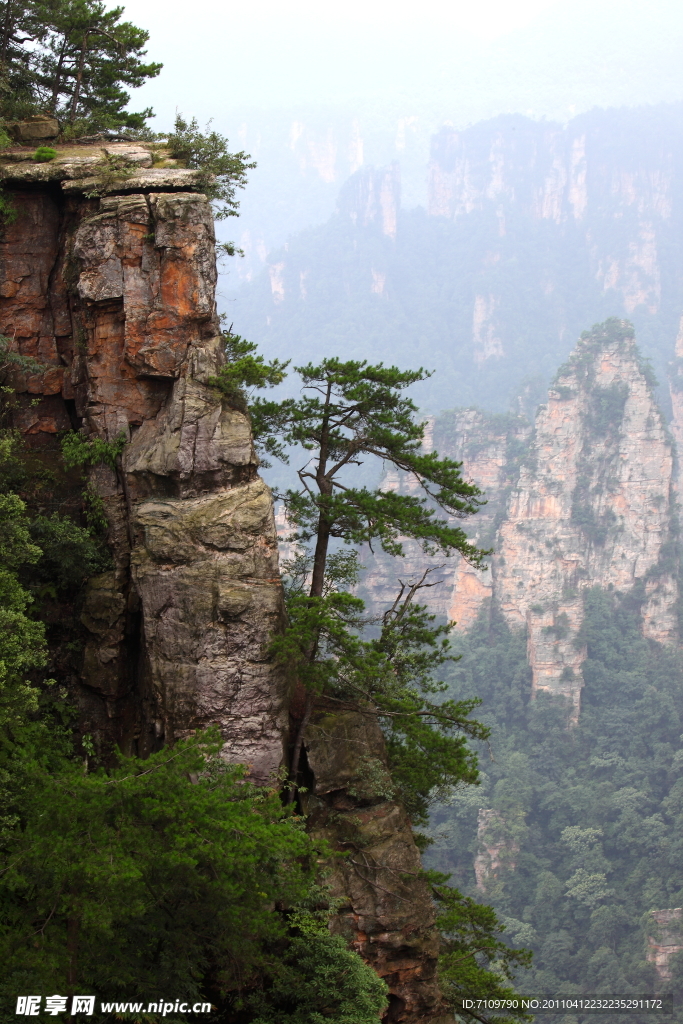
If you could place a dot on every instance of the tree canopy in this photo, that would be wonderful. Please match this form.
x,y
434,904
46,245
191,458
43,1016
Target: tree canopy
x,y
593,813
73,59
125,877
354,411
165,875
220,171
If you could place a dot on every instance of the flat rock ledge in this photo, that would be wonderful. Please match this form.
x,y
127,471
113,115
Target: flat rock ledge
x,y
76,168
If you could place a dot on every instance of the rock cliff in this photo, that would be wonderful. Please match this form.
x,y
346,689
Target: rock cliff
x,y
108,281
386,913
573,176
115,297
584,499
497,851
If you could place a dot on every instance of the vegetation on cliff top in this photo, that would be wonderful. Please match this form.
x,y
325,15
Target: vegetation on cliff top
x,y
220,171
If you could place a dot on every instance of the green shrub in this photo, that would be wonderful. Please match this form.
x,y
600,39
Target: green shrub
x,y
8,211
78,450
243,369
221,172
70,553
44,154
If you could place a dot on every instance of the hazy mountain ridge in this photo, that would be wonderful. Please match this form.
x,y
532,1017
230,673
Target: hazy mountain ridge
x,y
533,230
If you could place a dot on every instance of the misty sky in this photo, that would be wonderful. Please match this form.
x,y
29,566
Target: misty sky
x,y
467,59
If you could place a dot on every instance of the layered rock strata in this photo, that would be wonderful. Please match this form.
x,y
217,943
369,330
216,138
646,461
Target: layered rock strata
x,y
108,282
585,499
115,297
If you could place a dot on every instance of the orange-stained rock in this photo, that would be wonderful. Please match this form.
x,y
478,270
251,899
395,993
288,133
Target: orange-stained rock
x,y
664,940
470,588
114,297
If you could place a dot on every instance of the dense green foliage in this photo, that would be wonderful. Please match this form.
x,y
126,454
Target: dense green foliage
x,y
45,559
79,450
473,957
167,873
315,977
72,59
590,816
22,639
162,875
44,154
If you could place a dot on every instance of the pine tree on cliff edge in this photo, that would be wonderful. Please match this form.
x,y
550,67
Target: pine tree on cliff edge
x,y
351,411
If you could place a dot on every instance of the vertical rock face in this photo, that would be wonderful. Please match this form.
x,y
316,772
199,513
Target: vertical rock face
x,y
676,396
534,231
593,506
373,197
584,499
116,297
514,170
497,852
488,448
386,912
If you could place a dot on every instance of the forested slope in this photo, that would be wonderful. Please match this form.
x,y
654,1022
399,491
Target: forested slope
x,y
582,838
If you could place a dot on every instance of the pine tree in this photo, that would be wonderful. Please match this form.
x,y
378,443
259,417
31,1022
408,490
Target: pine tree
x,y
72,59
354,411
